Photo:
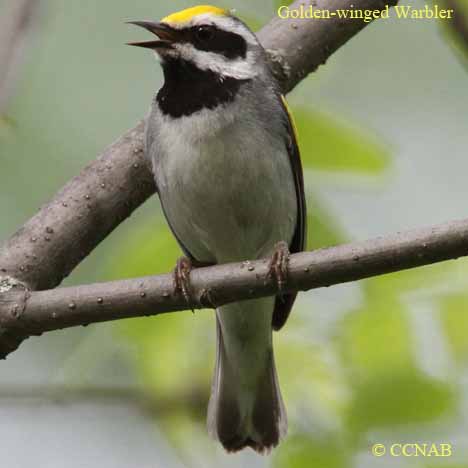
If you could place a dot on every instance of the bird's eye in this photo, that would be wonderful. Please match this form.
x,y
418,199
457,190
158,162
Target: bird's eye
x,y
204,33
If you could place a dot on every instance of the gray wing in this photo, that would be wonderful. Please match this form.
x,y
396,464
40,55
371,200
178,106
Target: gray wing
x,y
283,304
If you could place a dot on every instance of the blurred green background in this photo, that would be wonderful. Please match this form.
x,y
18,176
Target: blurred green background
x,y
383,130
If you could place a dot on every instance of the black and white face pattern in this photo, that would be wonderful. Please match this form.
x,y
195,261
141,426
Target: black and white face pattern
x,y
221,44
210,38
208,61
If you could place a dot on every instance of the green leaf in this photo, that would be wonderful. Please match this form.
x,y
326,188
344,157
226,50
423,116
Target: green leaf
x,y
399,399
321,384
330,145
387,387
454,319
398,283
323,230
301,451
150,250
172,350
375,339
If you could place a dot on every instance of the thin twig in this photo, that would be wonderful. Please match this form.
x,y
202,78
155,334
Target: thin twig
x,y
194,398
42,311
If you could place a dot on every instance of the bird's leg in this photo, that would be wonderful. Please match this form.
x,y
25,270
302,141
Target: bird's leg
x,y
181,277
278,266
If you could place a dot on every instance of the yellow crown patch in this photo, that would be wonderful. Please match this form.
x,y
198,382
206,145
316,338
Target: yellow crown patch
x,y
186,15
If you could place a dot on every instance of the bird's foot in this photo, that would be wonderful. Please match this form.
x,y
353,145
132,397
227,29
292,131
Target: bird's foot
x,y
181,277
278,267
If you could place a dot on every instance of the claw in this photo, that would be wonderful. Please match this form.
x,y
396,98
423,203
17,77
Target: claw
x,y
181,277
278,266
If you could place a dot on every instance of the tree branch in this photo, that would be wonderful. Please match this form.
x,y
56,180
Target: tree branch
x,y
15,27
52,243
459,23
33,313
194,398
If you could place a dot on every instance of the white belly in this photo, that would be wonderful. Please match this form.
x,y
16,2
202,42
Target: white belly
x,y
229,195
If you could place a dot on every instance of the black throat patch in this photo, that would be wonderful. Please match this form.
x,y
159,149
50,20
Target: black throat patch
x,y
187,89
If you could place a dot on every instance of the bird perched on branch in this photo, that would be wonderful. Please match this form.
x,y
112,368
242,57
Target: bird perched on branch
x,y
228,172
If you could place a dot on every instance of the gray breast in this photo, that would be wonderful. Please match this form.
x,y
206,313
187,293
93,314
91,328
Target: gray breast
x,y
225,182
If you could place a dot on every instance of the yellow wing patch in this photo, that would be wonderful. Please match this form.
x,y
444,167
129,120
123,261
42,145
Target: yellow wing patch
x,y
291,118
186,15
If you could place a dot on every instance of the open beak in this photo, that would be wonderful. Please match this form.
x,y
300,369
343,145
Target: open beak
x,y
166,34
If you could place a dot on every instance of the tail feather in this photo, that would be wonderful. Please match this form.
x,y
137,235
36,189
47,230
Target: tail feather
x,y
240,416
223,425
269,415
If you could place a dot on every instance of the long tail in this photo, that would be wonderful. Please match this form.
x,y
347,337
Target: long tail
x,y
246,408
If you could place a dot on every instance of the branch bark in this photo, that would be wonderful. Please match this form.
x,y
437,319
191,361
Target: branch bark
x,y
33,313
50,245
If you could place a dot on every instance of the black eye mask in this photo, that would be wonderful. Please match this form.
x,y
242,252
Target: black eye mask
x,y
212,39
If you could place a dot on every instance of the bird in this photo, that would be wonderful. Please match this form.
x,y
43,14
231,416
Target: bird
x,y
223,148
